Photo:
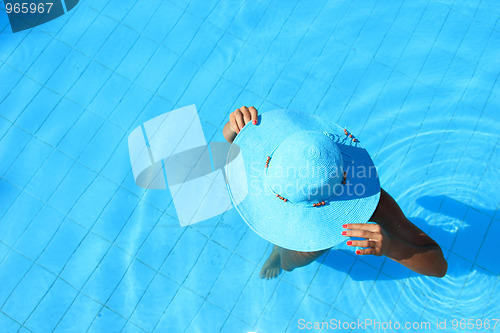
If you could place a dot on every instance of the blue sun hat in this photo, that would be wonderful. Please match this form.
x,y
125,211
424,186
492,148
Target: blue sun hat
x,y
296,178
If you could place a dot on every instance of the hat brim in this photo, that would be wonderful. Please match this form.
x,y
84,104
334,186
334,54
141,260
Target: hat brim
x,y
296,227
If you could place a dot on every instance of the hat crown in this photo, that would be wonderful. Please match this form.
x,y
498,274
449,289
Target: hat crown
x,y
306,167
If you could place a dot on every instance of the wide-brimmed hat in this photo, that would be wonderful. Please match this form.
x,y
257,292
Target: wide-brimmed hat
x,y
297,178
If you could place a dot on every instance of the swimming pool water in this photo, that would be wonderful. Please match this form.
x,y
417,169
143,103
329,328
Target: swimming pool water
x,y
83,248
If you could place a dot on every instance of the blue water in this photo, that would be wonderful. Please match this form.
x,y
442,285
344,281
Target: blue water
x,y
83,248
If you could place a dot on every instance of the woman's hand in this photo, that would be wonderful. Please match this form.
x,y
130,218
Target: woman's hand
x,y
240,117
237,119
376,240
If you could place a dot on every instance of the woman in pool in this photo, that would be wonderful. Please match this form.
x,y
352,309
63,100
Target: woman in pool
x,y
392,234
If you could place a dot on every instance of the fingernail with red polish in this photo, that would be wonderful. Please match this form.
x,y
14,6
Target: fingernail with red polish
x,y
358,251
254,122
344,233
344,226
349,243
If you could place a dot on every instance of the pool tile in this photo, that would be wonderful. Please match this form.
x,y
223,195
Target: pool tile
x,y
12,43
50,175
117,9
471,234
235,273
19,217
53,306
164,19
140,15
286,86
14,268
61,247
337,320
233,324
28,162
479,89
383,289
39,233
447,223
19,97
244,64
89,83
486,257
473,43
184,33
435,66
210,263
155,301
373,33
8,324
402,312
81,313
85,260
198,89
60,120
68,72
94,37
132,328
115,215
248,307
157,69
394,270
224,13
174,320
130,289
107,321
139,226
28,51
331,275
263,32
393,93
438,307
229,230
302,277
137,57
38,110
355,286
80,21
219,104
222,57
28,293
71,188
474,304
48,61
252,247
210,318
277,308
78,137
107,275
184,255
309,95
432,20
117,46
109,134
10,78
372,83
110,95
309,311
453,30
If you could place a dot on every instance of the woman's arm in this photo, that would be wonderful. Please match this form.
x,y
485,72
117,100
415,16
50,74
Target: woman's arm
x,y
397,238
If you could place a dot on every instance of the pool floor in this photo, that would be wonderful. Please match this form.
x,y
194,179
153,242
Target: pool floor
x,y
84,249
